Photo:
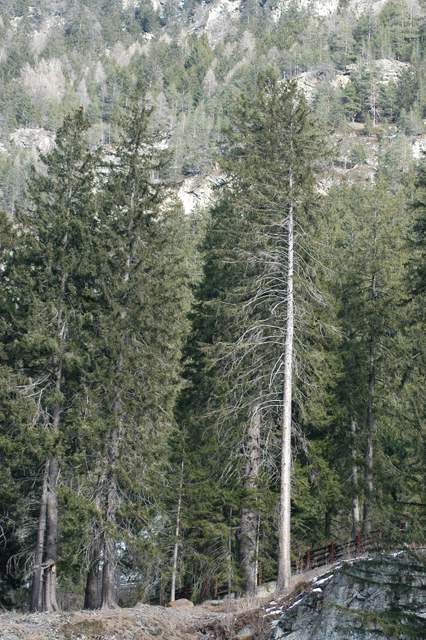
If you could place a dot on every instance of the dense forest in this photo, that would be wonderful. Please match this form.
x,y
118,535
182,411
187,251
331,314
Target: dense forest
x,y
199,384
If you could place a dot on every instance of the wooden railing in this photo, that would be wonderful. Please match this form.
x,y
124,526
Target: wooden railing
x,y
311,558
327,554
335,551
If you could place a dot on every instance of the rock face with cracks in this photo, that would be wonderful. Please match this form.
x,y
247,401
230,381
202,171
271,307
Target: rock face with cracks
x,y
382,597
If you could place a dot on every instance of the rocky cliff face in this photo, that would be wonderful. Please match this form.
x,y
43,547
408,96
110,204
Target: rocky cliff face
x,y
372,599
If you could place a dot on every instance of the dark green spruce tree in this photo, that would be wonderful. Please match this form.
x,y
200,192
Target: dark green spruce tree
x,y
266,300
51,274
148,273
415,395
21,448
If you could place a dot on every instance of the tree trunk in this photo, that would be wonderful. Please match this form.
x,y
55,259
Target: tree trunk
x,y
177,534
327,523
37,579
50,601
43,597
91,592
108,574
369,455
284,560
229,563
249,514
109,560
91,597
370,421
108,600
356,514
257,549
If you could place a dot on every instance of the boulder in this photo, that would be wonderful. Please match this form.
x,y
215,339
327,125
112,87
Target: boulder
x,y
246,633
266,589
383,596
182,603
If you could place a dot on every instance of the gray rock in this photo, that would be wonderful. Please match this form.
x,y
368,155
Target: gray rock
x,y
247,633
369,599
266,589
154,630
182,603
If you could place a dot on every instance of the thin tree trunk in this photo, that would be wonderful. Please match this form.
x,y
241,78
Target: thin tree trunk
x,y
257,548
284,560
230,571
356,513
370,421
44,578
50,601
177,535
327,524
109,560
108,600
108,574
369,455
91,597
37,579
91,592
249,514
51,547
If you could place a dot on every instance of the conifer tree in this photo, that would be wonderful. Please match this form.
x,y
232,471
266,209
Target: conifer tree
x,y
21,447
149,267
51,271
271,156
414,376
369,261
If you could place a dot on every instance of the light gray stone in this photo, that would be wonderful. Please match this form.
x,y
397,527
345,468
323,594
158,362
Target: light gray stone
x,y
247,633
370,599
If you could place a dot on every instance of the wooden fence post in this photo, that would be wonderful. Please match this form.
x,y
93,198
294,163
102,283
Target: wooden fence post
x,y
358,543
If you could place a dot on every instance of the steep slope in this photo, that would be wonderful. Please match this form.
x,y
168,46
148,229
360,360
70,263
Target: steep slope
x,y
192,56
371,599
375,598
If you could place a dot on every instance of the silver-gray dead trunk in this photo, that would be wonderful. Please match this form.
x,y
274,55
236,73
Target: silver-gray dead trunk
x,y
284,559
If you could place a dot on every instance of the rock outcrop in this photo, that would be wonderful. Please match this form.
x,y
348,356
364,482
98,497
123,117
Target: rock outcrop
x,y
378,598
38,140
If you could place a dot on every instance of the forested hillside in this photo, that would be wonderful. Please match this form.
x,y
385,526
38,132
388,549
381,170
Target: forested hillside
x,y
212,301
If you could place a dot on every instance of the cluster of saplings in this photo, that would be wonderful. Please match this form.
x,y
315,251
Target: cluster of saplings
x,y
209,439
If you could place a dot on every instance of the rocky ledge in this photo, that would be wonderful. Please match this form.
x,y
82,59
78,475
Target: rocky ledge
x,y
376,598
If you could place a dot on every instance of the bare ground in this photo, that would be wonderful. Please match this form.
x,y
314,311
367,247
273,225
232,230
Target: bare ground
x,y
208,621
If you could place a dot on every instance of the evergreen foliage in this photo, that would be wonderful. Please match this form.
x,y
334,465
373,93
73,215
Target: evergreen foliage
x,y
143,350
